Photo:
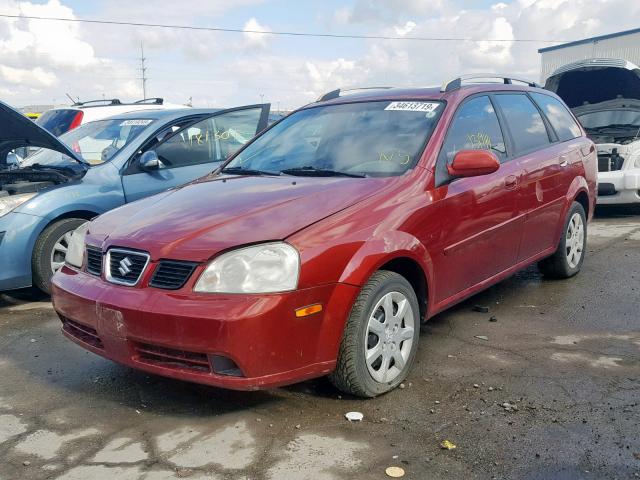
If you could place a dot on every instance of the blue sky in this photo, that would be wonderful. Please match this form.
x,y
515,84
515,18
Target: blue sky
x,y
41,61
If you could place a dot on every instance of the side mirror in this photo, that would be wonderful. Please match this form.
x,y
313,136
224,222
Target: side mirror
x,y
13,159
473,163
149,161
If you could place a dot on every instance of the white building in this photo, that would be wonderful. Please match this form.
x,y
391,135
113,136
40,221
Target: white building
x,y
622,45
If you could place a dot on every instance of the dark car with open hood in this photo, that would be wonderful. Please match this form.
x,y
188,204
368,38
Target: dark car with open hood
x,y
323,244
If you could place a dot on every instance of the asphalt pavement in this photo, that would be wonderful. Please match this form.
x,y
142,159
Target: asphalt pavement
x,y
545,385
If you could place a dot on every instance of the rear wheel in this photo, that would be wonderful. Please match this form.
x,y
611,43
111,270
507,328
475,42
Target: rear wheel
x,y
50,251
380,338
567,259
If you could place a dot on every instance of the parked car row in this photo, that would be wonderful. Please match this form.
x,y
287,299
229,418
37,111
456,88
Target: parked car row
x,y
319,246
96,167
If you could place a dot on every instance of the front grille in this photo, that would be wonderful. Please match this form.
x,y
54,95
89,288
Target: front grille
x,y
125,267
82,332
94,260
610,162
170,358
171,274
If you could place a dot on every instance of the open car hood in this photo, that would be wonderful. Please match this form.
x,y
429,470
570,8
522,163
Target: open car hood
x,y
595,80
17,131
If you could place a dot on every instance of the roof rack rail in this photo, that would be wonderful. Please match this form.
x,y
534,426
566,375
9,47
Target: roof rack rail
x,y
152,100
337,93
456,83
109,101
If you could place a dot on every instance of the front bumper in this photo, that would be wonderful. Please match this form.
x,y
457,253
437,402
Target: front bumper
x,y
181,335
618,187
18,234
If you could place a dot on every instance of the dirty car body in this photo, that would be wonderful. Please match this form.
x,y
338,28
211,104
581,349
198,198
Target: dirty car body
x,y
604,94
95,168
382,206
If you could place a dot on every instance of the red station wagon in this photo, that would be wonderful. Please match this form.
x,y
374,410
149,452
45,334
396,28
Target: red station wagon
x,y
321,246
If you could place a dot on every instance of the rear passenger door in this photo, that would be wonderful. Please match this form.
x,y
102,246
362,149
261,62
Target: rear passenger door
x,y
473,224
541,157
191,151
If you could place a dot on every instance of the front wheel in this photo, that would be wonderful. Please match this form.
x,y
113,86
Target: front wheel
x,y
380,338
567,259
50,251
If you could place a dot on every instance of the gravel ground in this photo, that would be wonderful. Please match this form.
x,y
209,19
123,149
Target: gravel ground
x,y
548,388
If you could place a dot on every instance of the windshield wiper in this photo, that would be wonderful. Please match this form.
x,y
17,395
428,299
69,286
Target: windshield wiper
x,y
318,172
247,171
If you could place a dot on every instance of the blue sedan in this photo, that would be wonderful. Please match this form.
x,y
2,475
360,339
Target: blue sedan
x,y
97,167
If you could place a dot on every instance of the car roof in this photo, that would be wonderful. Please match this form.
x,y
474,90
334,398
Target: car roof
x,y
164,114
423,93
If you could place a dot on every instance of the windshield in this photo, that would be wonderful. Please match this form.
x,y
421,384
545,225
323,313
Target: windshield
x,y
611,118
357,139
97,142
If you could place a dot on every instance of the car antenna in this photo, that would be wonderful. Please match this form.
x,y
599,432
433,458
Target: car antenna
x,y
71,98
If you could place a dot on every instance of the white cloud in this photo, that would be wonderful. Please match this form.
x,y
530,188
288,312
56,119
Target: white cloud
x,y
252,39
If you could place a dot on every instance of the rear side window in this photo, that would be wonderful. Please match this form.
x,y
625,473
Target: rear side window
x,y
60,121
525,122
559,117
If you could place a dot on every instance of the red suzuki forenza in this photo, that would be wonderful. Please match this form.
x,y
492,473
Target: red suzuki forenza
x,y
321,246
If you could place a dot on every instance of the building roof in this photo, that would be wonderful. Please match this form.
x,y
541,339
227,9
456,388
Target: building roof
x,y
589,40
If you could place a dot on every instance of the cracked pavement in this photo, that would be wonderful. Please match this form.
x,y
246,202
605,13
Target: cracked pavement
x,y
553,392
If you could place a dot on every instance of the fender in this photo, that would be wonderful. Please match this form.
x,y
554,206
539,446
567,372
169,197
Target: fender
x,y
377,251
578,185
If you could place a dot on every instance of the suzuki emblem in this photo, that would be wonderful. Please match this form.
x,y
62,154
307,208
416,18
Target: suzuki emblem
x,y
125,266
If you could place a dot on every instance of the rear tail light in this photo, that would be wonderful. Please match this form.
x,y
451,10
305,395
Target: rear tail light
x,y
77,120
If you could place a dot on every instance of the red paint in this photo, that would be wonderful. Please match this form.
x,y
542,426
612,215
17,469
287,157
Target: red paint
x,y
464,235
472,163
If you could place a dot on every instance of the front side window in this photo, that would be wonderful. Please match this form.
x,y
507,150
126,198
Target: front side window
x,y
525,122
559,117
361,139
475,126
210,140
96,142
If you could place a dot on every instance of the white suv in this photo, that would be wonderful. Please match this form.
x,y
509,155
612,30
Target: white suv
x,y
61,120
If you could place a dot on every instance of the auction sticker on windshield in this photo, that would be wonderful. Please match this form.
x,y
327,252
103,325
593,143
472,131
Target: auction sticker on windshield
x,y
135,123
425,107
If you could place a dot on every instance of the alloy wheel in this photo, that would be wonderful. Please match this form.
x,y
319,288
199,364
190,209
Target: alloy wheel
x,y
389,337
59,251
574,240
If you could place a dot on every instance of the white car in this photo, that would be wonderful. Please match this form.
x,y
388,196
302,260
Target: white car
x,y
61,120
604,94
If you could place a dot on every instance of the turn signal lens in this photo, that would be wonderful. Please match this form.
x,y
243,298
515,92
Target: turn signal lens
x,y
310,310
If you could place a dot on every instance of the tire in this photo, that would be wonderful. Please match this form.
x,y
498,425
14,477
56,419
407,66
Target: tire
x,y
398,341
41,260
567,259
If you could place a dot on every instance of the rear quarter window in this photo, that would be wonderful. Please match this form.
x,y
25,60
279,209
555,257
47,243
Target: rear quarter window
x,y
525,123
559,117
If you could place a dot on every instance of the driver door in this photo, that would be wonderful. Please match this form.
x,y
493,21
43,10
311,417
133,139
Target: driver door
x,y
187,152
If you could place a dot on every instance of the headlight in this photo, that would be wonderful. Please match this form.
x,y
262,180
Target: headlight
x,y
9,203
75,250
265,268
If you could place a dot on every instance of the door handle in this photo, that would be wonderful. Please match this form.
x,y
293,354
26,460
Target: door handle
x,y
564,160
511,182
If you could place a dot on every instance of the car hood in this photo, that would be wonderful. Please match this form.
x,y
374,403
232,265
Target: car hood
x,y
196,221
594,81
17,131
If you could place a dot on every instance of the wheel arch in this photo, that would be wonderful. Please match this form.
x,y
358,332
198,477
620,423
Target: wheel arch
x,y
398,252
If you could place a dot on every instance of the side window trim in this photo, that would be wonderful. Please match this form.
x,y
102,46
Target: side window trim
x,y
509,143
